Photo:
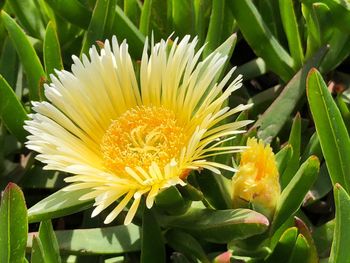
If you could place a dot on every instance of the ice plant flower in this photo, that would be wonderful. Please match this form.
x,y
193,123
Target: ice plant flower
x,y
256,183
122,134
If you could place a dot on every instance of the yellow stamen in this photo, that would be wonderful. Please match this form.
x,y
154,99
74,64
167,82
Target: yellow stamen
x,y
140,136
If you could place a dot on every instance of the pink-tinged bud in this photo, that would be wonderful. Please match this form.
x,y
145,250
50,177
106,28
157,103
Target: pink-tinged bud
x,y
223,258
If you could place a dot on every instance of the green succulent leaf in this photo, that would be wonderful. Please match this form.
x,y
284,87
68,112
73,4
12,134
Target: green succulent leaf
x,y
291,28
38,255
182,10
31,63
292,196
339,12
313,30
260,38
284,246
275,117
305,232
9,62
283,157
340,252
52,50
338,50
185,243
132,9
73,11
218,226
301,251
100,25
13,225
215,27
49,242
331,130
28,14
145,19
320,188
323,238
11,106
313,147
152,245
295,142
59,204
215,189
97,241
171,201
123,28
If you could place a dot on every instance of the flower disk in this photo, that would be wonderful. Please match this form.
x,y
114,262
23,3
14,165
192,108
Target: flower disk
x,y
121,136
141,136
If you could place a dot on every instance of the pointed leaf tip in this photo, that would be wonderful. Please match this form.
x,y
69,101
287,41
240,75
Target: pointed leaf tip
x,y
257,219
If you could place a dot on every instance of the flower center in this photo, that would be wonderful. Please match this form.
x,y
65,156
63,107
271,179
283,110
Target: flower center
x,y
140,136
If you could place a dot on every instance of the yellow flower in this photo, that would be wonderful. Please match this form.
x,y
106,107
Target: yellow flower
x,y
257,180
125,135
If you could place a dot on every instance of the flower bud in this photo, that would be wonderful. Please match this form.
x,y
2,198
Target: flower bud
x,y
256,183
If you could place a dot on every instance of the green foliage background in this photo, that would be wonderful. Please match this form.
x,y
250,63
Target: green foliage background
x,y
294,56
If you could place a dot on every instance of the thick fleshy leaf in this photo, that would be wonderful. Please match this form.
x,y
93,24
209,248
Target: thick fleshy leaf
x,y
344,111
338,50
314,40
191,193
153,21
9,62
215,189
284,246
100,23
215,28
313,147
182,10
145,17
72,10
262,100
152,245
331,130
305,231
13,225
260,38
218,226
123,28
59,204
283,157
295,141
340,13
132,9
28,14
291,28
340,252
171,201
201,13
252,69
49,242
109,240
275,117
320,188
185,243
292,196
52,50
10,106
323,238
30,61
301,251
37,255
